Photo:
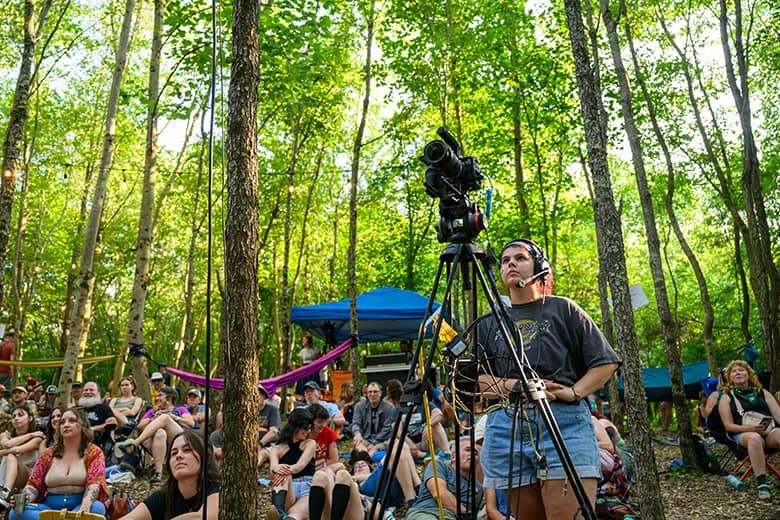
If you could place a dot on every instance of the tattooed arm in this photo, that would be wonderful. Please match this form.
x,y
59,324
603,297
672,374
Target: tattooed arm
x,y
90,495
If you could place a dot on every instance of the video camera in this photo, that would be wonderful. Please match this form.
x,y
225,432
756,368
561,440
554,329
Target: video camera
x,y
449,177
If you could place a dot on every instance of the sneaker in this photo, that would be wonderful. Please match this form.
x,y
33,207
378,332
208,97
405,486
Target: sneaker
x,y
157,478
764,493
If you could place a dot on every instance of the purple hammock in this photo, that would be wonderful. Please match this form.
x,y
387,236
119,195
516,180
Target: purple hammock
x,y
272,383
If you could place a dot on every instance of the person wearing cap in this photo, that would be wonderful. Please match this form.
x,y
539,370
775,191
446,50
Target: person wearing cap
x,y
270,424
100,415
19,398
158,425
563,345
311,395
157,382
46,404
195,407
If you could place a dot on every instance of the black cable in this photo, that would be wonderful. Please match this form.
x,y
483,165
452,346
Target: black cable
x,y
209,262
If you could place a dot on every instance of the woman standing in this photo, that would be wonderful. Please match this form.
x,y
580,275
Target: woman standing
x,y
742,393
292,465
181,497
566,350
19,451
69,475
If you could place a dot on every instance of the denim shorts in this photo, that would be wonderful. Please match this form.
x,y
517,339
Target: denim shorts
x,y
301,486
579,437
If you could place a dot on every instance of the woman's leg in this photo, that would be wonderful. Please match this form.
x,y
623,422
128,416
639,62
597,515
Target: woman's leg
x,y
527,503
162,422
159,449
319,495
346,498
299,510
22,474
31,512
11,466
755,447
406,473
560,501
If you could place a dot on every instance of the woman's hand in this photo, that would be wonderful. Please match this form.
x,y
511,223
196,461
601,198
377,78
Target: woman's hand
x,y
283,469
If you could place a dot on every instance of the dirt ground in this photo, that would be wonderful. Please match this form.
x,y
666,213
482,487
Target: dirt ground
x,y
686,496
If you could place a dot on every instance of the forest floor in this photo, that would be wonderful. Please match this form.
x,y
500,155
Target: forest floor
x,y
685,495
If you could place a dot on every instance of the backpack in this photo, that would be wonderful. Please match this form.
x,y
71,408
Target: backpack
x,y
707,459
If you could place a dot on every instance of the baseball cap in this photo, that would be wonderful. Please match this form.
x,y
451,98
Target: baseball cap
x,y
20,388
156,376
76,384
194,391
51,389
312,384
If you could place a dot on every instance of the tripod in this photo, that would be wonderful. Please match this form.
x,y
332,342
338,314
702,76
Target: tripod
x,y
472,261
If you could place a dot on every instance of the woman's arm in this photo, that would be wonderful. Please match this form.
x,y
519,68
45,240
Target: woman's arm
x,y
141,512
309,450
186,419
136,407
90,495
21,440
774,408
32,443
333,453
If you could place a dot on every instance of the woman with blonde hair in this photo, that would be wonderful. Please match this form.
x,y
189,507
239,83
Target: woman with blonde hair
x,y
742,393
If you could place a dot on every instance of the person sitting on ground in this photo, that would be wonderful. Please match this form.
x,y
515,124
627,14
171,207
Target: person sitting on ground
x,y
270,422
46,404
69,475
447,477
51,427
349,496
327,454
195,407
395,389
373,421
157,382
181,496
158,425
100,415
18,451
19,398
312,395
75,392
346,404
743,393
292,466
127,403
417,438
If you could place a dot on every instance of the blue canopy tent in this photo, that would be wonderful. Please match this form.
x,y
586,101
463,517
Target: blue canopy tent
x,y
384,314
658,385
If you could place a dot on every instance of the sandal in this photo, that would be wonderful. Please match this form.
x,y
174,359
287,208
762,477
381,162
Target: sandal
x,y
764,493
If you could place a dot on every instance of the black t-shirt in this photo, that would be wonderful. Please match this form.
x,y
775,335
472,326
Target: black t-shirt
x,y
560,341
98,415
156,502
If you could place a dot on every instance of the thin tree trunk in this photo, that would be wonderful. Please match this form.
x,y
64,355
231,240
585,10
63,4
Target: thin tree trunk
x,y
668,325
743,287
83,291
239,341
17,275
353,213
143,249
704,294
14,132
764,276
612,257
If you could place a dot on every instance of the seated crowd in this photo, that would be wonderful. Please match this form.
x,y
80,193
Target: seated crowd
x,y
56,457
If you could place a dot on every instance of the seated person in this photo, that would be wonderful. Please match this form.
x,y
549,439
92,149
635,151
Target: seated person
x,y
127,404
158,425
417,438
69,475
270,423
292,466
45,405
195,407
312,395
19,398
742,393
181,495
426,506
373,421
346,403
327,454
100,415
19,451
75,392
395,389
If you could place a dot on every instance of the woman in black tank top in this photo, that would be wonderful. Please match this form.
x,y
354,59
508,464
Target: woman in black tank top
x,y
742,384
292,465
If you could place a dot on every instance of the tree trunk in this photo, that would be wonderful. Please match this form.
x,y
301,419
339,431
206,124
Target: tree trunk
x,y
239,341
764,275
143,247
83,289
353,213
743,287
612,257
668,325
15,130
17,275
704,294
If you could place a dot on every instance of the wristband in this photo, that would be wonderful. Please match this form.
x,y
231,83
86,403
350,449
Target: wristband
x,y
577,397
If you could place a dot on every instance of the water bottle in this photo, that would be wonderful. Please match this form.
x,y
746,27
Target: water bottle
x,y
735,482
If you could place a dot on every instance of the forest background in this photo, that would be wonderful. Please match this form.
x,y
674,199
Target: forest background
x,y
499,74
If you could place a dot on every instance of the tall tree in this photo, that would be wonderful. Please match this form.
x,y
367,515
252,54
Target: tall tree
x,y
612,257
14,132
764,275
668,325
370,17
83,291
239,337
143,248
